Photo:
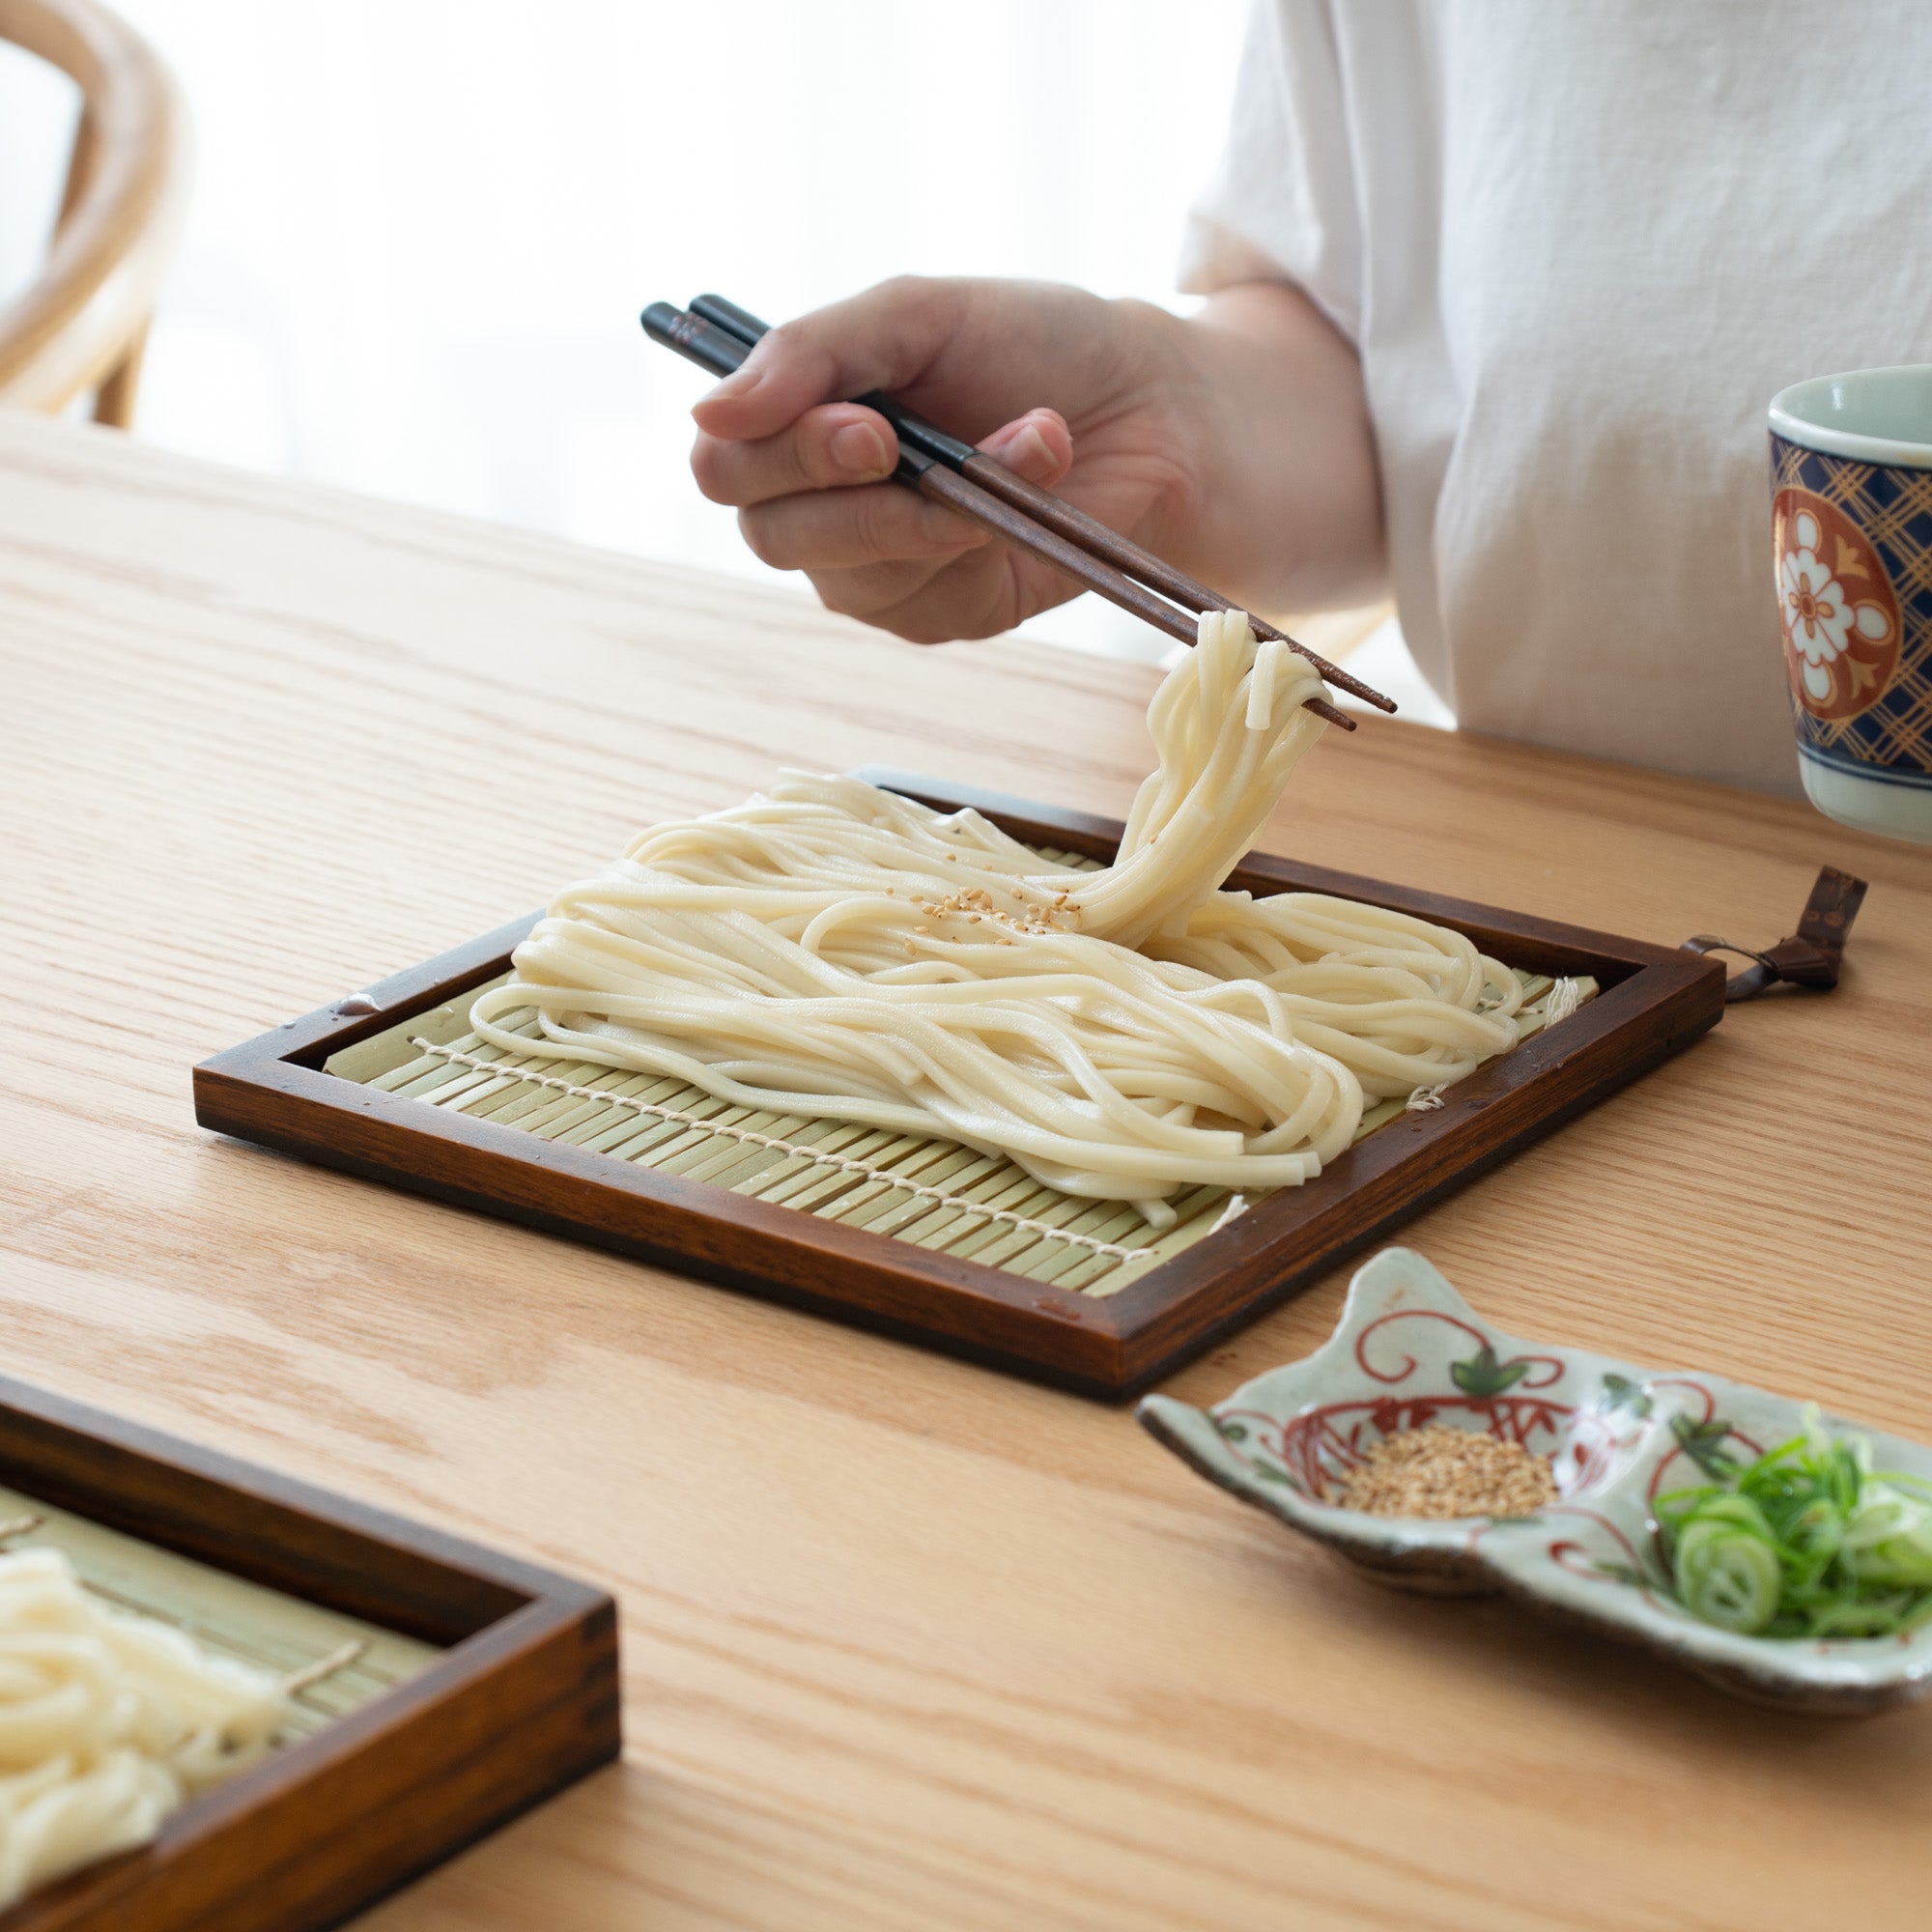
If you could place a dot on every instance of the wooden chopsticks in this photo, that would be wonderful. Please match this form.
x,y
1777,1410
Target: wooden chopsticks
x,y
718,336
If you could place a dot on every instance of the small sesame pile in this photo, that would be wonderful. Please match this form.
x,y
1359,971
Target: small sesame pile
x,y
1437,1472
975,904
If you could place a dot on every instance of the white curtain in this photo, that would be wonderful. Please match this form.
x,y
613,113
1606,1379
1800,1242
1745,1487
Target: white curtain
x,y
421,230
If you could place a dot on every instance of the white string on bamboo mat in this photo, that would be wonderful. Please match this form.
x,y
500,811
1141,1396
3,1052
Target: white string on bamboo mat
x,y
1563,1000
840,1161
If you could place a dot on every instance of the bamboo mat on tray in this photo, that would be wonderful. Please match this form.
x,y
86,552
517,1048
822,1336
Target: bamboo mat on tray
x,y
930,1192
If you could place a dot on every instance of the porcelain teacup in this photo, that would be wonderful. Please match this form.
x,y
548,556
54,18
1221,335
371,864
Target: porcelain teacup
x,y
1851,467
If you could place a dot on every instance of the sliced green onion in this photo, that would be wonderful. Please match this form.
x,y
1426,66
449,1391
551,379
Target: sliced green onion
x,y
1727,1569
1888,1539
1806,1542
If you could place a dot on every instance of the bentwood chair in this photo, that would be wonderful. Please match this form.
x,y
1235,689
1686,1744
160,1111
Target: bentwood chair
x,y
82,326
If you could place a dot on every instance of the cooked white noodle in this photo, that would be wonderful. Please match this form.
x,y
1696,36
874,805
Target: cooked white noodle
x,y
833,950
108,1722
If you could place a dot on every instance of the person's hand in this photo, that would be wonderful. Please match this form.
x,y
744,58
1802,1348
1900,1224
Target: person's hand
x,y
1090,398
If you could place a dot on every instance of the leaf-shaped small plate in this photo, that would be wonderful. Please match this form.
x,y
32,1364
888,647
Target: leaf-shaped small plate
x,y
1408,1351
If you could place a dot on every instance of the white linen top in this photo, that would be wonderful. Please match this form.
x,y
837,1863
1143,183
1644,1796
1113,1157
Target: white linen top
x,y
1580,246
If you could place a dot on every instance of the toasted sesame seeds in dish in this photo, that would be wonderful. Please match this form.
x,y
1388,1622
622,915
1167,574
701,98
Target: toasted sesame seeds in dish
x,y
1441,1472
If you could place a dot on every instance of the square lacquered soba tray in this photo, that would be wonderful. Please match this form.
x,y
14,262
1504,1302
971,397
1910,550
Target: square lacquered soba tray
x,y
923,1239
471,1686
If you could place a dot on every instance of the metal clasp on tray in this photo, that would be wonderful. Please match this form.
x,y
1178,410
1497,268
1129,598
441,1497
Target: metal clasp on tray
x,y
1812,956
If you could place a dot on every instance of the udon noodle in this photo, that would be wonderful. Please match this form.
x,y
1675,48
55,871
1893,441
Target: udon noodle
x,y
832,949
108,1722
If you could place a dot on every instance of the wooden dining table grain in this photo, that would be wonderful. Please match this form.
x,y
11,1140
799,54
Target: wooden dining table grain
x,y
907,1643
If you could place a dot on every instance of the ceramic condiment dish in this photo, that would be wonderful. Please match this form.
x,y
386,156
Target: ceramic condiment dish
x,y
1409,1351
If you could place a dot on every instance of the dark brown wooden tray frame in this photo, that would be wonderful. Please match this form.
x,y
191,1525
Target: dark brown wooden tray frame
x,y
1654,1001
522,1702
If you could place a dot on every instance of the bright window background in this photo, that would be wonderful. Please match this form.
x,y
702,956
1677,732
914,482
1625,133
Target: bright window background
x,y
421,231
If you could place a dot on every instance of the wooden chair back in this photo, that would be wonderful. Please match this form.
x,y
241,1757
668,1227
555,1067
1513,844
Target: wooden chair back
x,y
84,326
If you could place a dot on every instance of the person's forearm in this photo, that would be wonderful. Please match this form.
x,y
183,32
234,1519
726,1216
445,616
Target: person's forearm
x,y
1283,504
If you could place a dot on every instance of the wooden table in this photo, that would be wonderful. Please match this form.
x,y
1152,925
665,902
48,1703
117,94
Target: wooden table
x,y
907,1643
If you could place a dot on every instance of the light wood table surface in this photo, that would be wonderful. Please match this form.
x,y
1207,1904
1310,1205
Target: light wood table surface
x,y
907,1643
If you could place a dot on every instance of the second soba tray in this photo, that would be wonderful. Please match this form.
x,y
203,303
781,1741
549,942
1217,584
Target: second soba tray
x,y
471,1686
926,1238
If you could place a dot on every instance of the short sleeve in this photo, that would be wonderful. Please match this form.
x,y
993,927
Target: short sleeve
x,y
1284,205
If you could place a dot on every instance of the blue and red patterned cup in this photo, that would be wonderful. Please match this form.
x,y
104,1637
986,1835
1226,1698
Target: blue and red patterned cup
x,y
1851,481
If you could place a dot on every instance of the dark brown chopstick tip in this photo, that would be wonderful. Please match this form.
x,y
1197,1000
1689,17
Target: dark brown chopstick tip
x,y
1321,708
1333,674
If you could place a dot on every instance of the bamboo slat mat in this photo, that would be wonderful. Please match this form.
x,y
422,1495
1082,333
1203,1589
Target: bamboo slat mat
x,y
932,1193
225,1614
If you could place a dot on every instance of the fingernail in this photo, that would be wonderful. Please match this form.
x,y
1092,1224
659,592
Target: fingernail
x,y
734,385
858,449
1030,450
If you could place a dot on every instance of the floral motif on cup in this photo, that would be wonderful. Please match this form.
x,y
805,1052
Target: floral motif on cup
x,y
1841,616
